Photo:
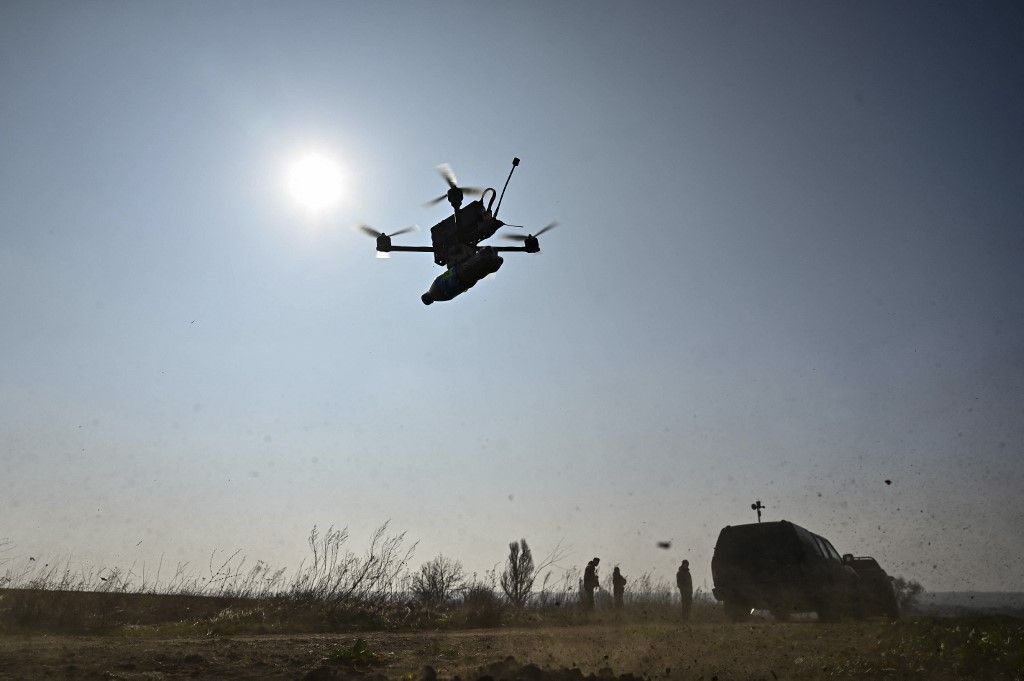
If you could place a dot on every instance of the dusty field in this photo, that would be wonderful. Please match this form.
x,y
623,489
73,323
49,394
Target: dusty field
x,y
701,651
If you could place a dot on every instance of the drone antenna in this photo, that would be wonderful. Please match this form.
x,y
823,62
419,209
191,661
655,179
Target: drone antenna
x,y
515,162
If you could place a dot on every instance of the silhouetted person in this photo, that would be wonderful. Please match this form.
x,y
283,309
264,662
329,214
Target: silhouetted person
x,y
685,584
586,596
590,583
618,586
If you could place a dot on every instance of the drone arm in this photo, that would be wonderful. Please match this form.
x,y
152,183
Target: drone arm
x,y
509,249
409,249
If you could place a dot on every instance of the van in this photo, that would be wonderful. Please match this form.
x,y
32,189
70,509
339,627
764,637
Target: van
x,y
784,568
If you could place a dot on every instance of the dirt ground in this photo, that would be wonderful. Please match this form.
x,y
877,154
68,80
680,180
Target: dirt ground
x,y
707,652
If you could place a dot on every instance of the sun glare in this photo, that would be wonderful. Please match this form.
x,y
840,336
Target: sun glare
x,y
315,182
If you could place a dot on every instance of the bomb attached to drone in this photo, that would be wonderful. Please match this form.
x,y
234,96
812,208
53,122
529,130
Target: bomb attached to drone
x,y
456,239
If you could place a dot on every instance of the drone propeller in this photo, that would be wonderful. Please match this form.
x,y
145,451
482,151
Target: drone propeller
x,y
520,237
445,171
366,229
384,240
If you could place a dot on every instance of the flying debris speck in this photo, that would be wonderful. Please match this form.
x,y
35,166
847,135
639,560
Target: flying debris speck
x,y
888,482
664,545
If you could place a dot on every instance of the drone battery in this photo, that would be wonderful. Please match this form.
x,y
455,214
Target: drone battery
x,y
463,276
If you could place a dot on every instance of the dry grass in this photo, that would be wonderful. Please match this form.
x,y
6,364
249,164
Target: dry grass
x,y
334,589
151,614
332,572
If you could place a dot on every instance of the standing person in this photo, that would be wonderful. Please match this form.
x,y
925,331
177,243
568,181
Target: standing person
x,y
584,581
590,583
685,584
618,586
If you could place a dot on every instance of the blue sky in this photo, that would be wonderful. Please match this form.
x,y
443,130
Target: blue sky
x,y
788,268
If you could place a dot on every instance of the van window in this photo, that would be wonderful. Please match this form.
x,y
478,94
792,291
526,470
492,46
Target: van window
x,y
808,541
826,549
831,549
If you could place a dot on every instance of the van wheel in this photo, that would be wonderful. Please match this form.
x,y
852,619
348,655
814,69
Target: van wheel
x,y
892,608
736,612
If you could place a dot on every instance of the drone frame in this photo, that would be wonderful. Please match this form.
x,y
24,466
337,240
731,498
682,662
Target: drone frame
x,y
456,242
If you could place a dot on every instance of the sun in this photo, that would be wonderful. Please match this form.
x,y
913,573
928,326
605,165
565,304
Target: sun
x,y
315,181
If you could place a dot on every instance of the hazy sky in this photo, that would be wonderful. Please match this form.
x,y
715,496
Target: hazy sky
x,y
790,267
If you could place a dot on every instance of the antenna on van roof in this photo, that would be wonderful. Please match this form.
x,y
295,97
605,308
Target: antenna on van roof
x,y
758,506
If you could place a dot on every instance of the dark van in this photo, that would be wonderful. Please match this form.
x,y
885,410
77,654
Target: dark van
x,y
781,567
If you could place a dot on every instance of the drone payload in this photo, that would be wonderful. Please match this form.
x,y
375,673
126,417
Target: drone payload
x,y
456,239
461,277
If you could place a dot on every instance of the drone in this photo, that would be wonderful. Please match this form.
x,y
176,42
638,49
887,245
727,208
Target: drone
x,y
456,239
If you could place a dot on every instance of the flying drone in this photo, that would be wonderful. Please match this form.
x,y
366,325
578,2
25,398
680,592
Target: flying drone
x,y
456,239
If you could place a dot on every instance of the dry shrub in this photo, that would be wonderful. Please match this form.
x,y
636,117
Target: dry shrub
x,y
338,576
908,592
481,607
438,581
559,593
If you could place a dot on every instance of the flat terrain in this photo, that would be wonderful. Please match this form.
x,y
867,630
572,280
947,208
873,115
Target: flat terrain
x,y
759,650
